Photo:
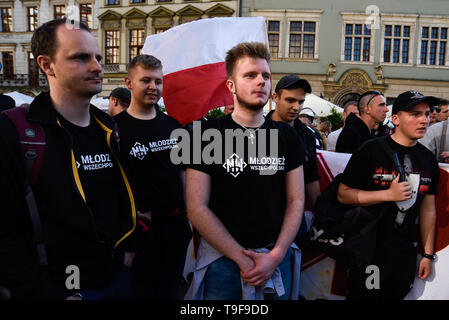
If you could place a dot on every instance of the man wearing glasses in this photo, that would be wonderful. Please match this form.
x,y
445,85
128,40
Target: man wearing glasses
x,y
373,109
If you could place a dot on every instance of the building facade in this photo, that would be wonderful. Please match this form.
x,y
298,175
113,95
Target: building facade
x,y
19,18
343,47
125,24
120,26
346,47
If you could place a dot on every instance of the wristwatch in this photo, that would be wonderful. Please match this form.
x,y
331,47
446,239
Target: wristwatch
x,y
429,256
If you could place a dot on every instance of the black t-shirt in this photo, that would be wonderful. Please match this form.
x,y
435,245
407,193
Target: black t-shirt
x,y
248,201
99,179
308,143
310,163
371,168
145,147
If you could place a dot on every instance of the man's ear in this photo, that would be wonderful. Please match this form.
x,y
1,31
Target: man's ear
x,y
231,85
128,83
395,120
275,97
45,63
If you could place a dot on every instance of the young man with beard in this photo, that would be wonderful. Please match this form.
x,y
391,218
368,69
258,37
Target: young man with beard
x,y
373,109
247,237
371,179
82,196
158,184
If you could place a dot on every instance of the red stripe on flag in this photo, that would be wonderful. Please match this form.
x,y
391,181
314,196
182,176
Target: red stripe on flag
x,y
324,171
189,94
442,207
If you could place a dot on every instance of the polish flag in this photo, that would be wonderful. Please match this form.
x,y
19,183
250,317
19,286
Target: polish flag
x,y
193,58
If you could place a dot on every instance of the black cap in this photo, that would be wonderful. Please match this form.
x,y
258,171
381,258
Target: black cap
x,y
407,100
287,82
123,94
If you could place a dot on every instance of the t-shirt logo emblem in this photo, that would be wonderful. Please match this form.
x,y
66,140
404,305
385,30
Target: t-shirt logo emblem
x,y
139,151
234,165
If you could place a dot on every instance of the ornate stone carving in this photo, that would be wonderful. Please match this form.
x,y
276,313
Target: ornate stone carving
x,y
353,81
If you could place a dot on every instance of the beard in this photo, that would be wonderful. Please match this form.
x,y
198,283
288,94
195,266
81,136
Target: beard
x,y
248,105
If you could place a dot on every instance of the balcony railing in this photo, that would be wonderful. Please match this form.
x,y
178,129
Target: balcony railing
x,y
23,80
115,68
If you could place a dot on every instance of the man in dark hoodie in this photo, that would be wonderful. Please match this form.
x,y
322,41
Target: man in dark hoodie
x,y
373,109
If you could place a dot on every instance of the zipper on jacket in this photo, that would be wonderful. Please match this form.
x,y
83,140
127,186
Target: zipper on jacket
x,y
124,179
77,182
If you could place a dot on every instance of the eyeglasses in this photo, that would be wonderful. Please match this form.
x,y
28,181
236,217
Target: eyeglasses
x,y
437,109
374,94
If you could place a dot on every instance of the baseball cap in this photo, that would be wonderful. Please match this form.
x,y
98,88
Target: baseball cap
x,y
307,112
407,100
123,94
290,80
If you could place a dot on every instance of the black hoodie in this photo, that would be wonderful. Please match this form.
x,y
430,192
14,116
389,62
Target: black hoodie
x,y
353,135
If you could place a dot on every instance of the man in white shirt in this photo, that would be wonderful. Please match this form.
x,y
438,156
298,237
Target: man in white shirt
x,y
348,108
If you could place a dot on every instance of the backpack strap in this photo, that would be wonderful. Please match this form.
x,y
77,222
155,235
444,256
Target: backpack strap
x,y
32,141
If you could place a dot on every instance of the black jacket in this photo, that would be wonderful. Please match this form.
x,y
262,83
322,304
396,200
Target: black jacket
x,y
307,138
353,135
69,230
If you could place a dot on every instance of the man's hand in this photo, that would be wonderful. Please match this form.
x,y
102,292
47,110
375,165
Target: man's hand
x,y
265,264
445,155
399,191
425,266
128,259
245,263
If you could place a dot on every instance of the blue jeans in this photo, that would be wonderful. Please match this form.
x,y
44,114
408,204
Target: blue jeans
x,y
222,280
118,290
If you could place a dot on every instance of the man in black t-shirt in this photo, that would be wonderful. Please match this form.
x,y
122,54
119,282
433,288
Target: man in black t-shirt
x,y
289,96
145,146
373,179
264,208
82,195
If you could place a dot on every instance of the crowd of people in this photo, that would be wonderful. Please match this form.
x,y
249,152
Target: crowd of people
x,y
115,213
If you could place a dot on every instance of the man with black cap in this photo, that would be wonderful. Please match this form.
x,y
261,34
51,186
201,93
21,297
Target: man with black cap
x,y
119,100
289,95
373,109
398,176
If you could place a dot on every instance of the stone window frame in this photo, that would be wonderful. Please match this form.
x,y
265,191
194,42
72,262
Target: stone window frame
x,y
432,22
356,18
285,17
9,16
396,20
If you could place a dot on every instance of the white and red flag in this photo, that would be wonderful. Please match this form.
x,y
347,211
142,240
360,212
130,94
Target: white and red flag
x,y
193,58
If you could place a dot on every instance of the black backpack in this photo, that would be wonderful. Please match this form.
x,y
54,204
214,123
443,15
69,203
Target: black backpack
x,y
347,233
